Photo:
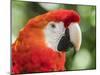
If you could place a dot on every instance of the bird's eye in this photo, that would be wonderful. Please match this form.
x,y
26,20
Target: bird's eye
x,y
53,25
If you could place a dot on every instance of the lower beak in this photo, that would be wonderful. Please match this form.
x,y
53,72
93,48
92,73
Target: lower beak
x,y
71,38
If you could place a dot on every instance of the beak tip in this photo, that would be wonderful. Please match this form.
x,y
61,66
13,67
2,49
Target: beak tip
x,y
77,49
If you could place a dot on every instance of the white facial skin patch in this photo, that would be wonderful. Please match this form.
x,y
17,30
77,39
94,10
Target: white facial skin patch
x,y
53,33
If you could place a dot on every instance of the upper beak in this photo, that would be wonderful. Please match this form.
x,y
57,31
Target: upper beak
x,y
71,38
75,35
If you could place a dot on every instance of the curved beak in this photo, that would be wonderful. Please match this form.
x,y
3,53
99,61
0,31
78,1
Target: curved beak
x,y
71,38
75,35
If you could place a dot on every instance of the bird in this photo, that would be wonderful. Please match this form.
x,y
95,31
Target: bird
x,y
42,43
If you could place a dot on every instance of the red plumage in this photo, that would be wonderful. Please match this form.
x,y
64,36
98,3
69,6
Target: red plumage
x,y
30,53
38,60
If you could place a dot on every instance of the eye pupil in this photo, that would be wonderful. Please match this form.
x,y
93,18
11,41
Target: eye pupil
x,y
53,26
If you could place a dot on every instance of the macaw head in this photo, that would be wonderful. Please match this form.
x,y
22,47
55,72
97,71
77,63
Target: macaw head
x,y
59,29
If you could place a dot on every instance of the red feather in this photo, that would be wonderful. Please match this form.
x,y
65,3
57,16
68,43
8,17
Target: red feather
x,y
30,52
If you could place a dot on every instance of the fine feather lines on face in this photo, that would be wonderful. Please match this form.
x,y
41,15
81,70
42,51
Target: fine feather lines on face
x,y
53,33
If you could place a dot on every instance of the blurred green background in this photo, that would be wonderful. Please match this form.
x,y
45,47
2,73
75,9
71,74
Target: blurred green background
x,y
86,58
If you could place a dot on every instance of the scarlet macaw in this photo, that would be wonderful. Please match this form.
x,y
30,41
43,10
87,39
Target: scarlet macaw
x,y
41,45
